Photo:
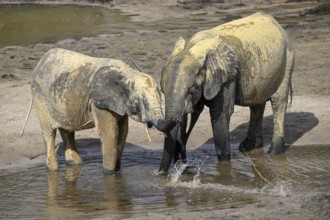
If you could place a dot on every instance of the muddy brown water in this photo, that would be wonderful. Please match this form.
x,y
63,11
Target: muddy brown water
x,y
301,175
24,24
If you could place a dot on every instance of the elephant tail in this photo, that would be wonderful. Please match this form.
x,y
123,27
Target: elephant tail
x,y
290,94
291,55
26,119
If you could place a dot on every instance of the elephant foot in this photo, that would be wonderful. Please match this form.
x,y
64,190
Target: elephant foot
x,y
180,154
223,157
72,157
180,157
277,147
52,164
250,144
161,173
111,168
110,172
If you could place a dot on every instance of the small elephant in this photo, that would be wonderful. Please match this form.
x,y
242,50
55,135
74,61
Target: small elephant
x,y
72,91
247,62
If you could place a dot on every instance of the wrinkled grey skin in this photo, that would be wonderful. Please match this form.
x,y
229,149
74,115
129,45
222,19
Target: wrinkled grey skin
x,y
245,62
72,91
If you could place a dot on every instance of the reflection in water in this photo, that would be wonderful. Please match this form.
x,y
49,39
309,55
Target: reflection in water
x,y
69,197
300,175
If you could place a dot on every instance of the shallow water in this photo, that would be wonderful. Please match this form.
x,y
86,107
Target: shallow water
x,y
84,192
24,24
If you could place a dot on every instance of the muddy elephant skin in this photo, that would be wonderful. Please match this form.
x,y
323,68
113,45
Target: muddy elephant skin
x,y
246,62
72,91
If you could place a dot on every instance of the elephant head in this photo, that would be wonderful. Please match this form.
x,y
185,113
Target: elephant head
x,y
194,70
128,92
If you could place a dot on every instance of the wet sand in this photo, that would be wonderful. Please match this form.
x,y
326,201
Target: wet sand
x,y
307,121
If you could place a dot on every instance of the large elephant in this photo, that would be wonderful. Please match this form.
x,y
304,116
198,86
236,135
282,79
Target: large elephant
x,y
72,91
245,62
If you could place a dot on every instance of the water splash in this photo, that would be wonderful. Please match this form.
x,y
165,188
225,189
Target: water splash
x,y
178,169
197,181
283,188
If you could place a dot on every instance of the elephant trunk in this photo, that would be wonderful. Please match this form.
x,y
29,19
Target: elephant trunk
x,y
164,125
173,115
174,112
158,120
169,150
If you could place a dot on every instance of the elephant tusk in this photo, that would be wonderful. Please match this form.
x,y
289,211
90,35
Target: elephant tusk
x,y
188,122
148,132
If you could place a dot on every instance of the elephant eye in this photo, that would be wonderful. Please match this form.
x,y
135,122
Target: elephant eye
x,y
163,71
193,90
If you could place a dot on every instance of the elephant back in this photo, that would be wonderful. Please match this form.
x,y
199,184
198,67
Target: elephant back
x,y
60,84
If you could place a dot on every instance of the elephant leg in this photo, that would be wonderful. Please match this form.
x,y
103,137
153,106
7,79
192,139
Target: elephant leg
x,y
71,152
254,138
279,108
220,127
107,127
180,149
122,135
221,109
49,139
48,133
279,105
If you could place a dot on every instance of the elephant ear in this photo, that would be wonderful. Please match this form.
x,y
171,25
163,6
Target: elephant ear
x,y
220,66
108,91
179,47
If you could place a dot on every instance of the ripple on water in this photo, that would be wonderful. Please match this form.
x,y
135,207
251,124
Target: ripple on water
x,y
202,183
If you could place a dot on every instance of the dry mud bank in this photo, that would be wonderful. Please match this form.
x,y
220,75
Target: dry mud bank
x,y
150,49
